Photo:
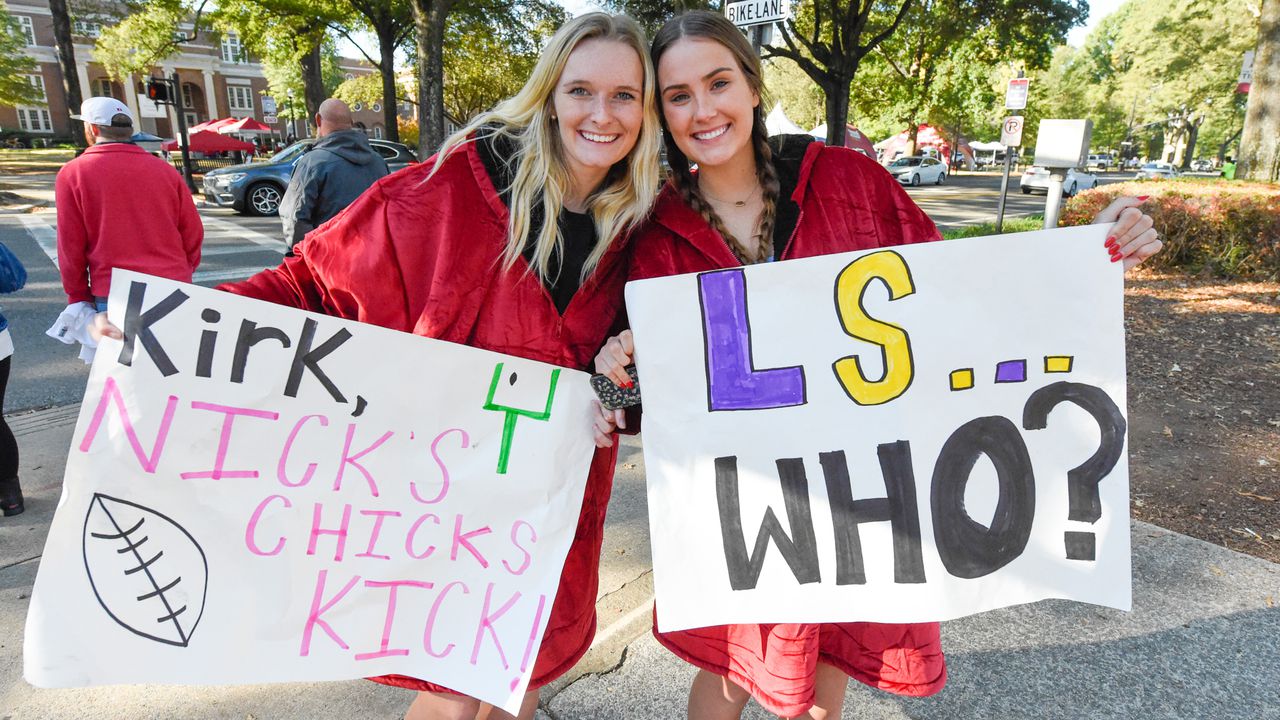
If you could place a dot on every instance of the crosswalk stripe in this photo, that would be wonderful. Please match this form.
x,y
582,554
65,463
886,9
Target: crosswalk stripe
x,y
43,233
239,273
222,249
226,228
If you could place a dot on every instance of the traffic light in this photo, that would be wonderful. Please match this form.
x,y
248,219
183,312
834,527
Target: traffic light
x,y
158,90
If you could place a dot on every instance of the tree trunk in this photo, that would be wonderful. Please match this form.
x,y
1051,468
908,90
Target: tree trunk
x,y
312,82
66,51
837,102
429,17
1260,141
387,66
913,136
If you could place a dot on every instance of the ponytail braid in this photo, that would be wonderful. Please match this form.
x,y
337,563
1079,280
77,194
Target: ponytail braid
x,y
683,180
767,174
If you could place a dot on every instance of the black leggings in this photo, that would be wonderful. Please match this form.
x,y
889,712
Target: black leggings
x,y
8,445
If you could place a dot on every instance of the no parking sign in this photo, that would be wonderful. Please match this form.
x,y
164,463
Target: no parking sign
x,y
1011,131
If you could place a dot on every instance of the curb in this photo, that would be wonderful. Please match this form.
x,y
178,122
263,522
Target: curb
x,y
621,616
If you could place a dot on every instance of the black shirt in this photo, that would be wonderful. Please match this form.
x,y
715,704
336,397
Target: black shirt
x,y
577,230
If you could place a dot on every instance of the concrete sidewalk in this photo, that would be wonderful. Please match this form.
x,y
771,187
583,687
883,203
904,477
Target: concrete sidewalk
x,y
1203,640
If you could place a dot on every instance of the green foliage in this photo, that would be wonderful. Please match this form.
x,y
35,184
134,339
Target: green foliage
x,y
1207,225
1149,61
478,34
801,99
15,64
1011,225
141,39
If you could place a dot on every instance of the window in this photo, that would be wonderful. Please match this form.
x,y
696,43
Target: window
x,y
240,98
232,50
192,118
35,120
377,131
37,82
26,28
357,107
86,28
188,96
377,107
102,87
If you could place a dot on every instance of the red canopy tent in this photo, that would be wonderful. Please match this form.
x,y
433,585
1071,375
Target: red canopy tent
x,y
243,125
208,141
853,139
211,124
926,136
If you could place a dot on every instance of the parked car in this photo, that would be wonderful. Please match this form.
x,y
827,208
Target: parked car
x,y
1036,178
1201,165
916,169
1098,162
256,188
1156,171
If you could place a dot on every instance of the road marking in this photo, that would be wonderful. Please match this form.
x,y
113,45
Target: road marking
x,y
225,249
226,228
240,273
43,233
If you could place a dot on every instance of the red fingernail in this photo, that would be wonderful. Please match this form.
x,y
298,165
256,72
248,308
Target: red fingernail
x,y
1111,242
1143,197
1116,258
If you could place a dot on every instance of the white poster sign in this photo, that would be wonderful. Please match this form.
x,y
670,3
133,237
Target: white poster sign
x,y
258,494
901,435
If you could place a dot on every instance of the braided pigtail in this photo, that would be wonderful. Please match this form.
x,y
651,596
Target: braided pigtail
x,y
767,174
682,178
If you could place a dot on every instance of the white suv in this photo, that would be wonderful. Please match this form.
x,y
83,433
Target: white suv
x,y
1098,162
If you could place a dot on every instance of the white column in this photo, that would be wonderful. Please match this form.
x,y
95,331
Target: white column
x,y
131,98
211,95
82,70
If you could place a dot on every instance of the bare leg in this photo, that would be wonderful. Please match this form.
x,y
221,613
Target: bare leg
x,y
442,706
713,697
829,687
527,708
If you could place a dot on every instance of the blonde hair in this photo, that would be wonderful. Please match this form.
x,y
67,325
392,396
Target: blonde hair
x,y
541,174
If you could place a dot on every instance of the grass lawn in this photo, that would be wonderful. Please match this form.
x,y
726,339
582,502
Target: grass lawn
x,y
34,161
1011,225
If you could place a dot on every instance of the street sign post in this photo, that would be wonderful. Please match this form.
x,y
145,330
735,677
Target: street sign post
x,y
1246,74
1010,137
268,106
1015,97
270,119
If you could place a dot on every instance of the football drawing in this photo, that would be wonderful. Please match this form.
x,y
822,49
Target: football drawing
x,y
147,571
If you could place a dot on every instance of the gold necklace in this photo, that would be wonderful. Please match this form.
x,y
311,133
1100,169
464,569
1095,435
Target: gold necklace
x,y
735,203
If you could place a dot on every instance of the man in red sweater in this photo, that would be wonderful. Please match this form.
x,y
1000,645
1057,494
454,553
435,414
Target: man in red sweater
x,y
121,207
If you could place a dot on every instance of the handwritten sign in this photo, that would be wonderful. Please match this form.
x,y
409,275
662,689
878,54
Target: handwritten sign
x,y
258,494
900,435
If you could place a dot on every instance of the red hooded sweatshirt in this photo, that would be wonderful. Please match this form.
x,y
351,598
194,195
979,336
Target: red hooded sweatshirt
x,y
121,207
424,256
846,202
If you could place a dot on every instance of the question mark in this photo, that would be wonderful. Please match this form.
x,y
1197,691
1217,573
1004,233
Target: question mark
x,y
1082,481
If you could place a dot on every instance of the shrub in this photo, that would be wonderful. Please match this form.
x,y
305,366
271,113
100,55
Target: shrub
x,y
1225,228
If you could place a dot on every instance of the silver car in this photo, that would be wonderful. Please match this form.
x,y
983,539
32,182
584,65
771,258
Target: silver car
x,y
1156,171
1037,178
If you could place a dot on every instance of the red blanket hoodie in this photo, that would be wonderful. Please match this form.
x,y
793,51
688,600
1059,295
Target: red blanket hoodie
x,y
424,256
847,202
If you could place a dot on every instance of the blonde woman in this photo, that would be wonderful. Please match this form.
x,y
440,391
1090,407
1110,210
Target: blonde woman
x,y
509,240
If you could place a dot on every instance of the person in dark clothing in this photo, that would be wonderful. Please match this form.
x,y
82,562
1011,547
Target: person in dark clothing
x,y
332,174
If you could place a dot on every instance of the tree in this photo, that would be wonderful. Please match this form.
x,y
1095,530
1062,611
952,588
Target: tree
x,y
429,27
15,64
1260,141
828,39
66,52
391,21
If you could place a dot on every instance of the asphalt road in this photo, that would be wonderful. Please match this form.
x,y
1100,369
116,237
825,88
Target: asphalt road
x,y
46,373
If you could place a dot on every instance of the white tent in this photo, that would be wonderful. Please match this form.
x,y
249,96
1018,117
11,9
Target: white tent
x,y
779,124
986,146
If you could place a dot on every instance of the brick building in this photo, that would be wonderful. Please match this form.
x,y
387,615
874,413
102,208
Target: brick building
x,y
218,78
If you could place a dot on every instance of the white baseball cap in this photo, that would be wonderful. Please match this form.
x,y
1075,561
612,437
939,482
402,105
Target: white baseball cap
x,y
100,110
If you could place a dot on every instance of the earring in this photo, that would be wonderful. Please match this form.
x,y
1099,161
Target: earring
x,y
553,117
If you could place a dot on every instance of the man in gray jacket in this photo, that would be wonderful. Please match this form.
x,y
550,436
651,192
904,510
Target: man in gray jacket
x,y
328,177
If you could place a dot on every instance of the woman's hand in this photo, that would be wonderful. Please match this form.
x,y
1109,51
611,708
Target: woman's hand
x,y
614,357
605,422
1132,238
101,328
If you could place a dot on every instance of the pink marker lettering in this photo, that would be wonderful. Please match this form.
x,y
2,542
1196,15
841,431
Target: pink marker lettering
x,y
464,540
385,649
444,471
288,445
340,532
486,623
224,440
349,459
533,635
431,619
111,391
533,537
313,617
378,516
249,531
413,531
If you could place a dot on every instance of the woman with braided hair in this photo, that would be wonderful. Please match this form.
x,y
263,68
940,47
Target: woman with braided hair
x,y
757,199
